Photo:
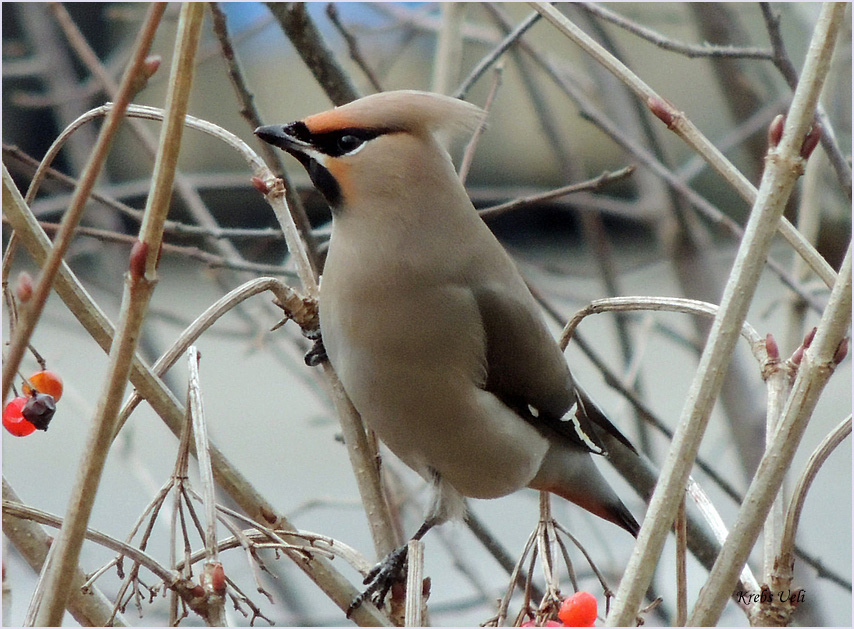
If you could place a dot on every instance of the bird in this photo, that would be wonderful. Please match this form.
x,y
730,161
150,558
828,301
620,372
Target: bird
x,y
429,325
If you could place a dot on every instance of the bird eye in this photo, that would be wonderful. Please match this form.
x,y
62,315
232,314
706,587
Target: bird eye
x,y
349,143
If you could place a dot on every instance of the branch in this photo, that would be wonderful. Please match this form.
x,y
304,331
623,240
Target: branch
x,y
300,28
139,285
784,164
130,85
688,50
677,122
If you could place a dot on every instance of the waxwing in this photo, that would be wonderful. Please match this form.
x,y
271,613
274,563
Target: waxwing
x,y
428,323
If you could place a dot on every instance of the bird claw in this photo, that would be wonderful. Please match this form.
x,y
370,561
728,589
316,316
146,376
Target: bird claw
x,y
381,578
317,353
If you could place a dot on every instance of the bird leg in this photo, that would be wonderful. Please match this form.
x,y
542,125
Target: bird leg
x,y
389,571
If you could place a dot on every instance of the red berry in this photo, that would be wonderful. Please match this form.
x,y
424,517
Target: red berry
x,y
46,381
578,610
14,421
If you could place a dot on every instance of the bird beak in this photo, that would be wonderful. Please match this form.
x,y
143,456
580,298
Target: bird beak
x,y
278,135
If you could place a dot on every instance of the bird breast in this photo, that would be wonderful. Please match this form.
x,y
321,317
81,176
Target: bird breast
x,y
411,355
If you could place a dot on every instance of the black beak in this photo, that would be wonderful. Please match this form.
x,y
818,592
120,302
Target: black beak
x,y
277,135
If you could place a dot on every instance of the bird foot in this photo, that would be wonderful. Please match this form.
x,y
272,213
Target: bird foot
x,y
381,578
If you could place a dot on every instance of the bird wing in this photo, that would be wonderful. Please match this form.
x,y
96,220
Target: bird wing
x,y
526,370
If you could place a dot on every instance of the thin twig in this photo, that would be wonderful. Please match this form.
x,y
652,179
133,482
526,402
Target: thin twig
x,y
18,510
493,56
799,494
681,574
468,154
591,185
777,610
669,304
253,118
448,54
200,432
665,43
87,604
716,523
592,112
353,47
817,365
295,21
211,260
303,311
414,584
189,195
784,64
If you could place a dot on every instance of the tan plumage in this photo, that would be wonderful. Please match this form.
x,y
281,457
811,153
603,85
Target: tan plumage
x,y
429,325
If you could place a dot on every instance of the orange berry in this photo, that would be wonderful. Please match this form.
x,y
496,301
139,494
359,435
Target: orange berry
x,y
578,610
46,381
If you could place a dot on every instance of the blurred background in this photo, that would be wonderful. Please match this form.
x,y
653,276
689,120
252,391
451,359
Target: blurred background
x,y
556,118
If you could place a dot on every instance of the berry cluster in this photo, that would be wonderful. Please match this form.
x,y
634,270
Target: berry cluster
x,y
35,408
578,610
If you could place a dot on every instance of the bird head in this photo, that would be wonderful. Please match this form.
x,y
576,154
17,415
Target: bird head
x,y
374,146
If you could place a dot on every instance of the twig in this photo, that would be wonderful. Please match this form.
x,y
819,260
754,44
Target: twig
x,y
495,549
612,380
129,87
414,584
716,524
681,576
196,409
139,286
778,377
171,578
669,304
211,260
353,47
516,577
19,510
59,202
799,494
493,56
303,311
591,111
468,154
300,28
88,606
191,197
591,185
817,365
665,43
253,118
790,74
448,55
776,611
677,122
784,162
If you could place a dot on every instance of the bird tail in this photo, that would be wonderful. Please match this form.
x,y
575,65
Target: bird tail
x,y
590,411
569,472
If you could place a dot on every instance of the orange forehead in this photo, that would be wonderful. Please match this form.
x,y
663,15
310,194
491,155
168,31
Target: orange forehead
x,y
328,121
